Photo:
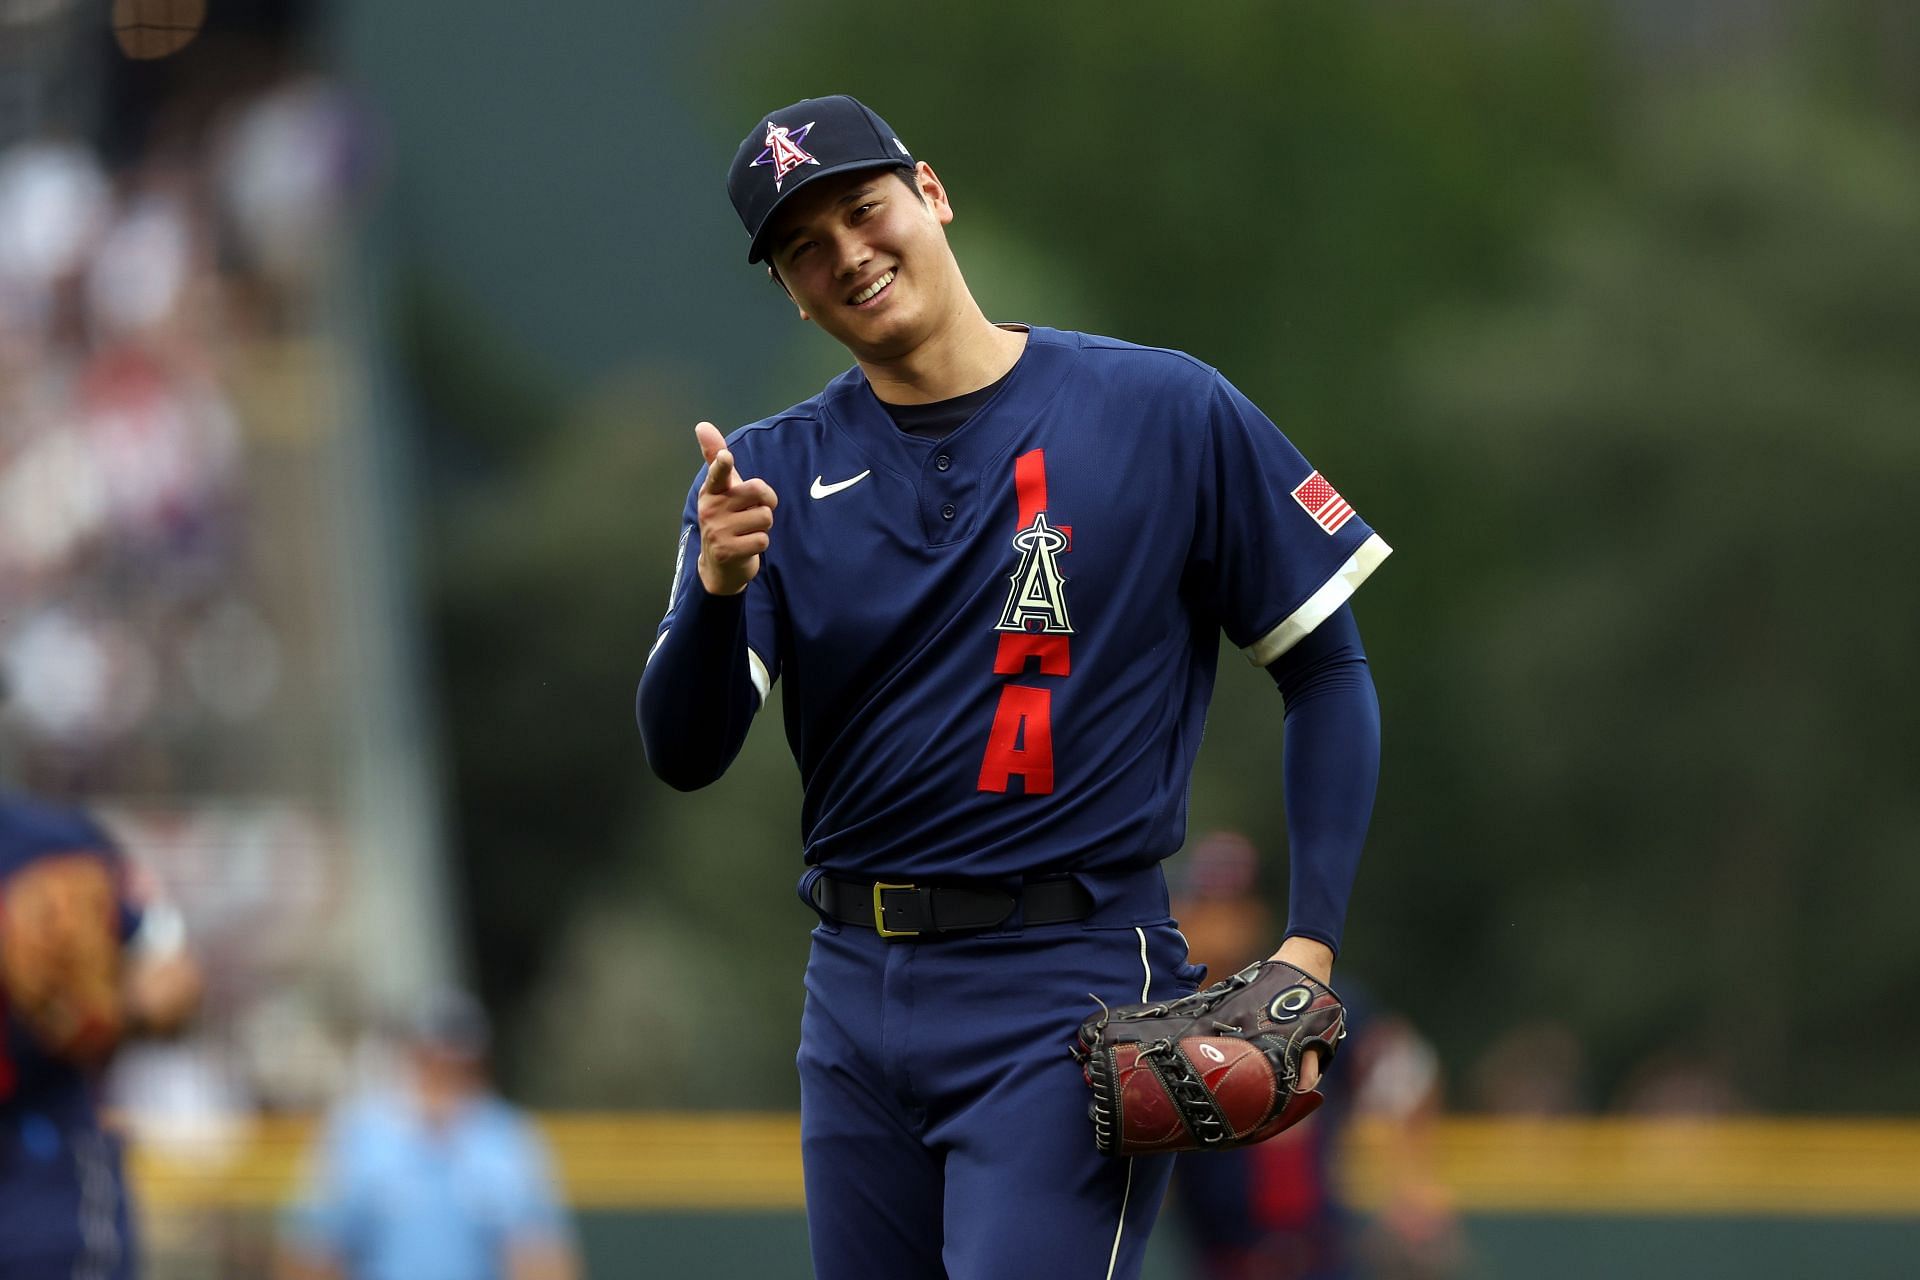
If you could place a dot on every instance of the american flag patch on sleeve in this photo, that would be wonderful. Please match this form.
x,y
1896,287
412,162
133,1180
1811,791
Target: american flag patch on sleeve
x,y
1319,500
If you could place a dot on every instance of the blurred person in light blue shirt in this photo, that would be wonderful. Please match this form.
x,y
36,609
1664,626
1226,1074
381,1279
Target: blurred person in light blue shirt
x,y
439,1180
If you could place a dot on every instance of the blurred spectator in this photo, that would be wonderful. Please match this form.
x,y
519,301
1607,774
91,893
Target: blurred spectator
x,y
54,201
292,162
90,954
1275,1211
1676,1082
438,1179
167,236
150,313
1535,1069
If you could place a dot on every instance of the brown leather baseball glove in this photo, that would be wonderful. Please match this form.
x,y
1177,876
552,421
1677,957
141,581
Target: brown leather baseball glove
x,y
60,956
1215,1069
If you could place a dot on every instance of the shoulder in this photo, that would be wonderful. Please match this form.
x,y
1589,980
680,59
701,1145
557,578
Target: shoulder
x,y
365,1133
1118,353
800,421
792,433
505,1131
1132,365
488,1117
768,432
369,1116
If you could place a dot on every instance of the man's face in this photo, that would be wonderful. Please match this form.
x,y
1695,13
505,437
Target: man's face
x,y
866,259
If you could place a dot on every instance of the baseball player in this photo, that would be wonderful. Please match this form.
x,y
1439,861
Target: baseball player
x,y
87,956
991,563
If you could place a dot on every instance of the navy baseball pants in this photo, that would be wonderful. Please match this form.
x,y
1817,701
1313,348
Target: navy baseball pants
x,y
63,1204
943,1124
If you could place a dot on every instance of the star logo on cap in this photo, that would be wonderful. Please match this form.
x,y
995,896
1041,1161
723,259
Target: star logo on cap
x,y
783,151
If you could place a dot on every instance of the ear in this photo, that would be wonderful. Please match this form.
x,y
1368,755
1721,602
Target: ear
x,y
774,276
934,191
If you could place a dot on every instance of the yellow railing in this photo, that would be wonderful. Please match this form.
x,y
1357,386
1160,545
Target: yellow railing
x,y
1725,1166
751,1162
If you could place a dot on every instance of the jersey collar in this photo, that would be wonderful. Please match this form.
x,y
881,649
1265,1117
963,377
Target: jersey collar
x,y
850,406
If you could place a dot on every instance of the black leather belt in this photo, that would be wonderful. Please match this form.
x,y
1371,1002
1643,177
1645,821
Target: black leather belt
x,y
912,910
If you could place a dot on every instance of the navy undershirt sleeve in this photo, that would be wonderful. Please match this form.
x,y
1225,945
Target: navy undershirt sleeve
x,y
1331,766
696,699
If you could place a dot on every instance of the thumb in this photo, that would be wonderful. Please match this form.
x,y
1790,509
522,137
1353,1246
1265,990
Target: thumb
x,y
710,440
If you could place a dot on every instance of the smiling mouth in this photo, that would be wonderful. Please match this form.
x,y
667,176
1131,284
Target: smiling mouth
x,y
872,291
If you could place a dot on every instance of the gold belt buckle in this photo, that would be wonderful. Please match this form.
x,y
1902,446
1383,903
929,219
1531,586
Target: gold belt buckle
x,y
880,916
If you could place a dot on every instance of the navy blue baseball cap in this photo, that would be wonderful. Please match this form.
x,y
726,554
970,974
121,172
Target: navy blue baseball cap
x,y
812,139
451,1021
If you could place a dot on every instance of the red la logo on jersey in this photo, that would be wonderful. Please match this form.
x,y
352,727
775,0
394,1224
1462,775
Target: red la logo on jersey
x,y
783,150
1020,743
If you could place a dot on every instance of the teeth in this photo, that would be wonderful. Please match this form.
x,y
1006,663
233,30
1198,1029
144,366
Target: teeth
x,y
873,289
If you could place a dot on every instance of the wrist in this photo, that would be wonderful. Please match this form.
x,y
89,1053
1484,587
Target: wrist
x,y
1309,955
714,583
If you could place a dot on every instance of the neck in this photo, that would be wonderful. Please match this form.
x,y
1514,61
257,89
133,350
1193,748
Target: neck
x,y
964,353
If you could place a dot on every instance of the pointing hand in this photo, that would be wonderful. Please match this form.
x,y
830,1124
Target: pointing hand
x,y
734,514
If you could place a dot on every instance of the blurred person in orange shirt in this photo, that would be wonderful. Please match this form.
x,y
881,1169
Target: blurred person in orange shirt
x,y
440,1179
1275,1210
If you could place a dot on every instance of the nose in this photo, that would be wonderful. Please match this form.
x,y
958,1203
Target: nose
x,y
851,253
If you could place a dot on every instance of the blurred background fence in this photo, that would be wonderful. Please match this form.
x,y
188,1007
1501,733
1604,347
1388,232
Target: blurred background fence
x,y
348,359
719,1194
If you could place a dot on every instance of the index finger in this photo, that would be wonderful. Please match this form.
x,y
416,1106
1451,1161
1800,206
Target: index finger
x,y
713,447
719,473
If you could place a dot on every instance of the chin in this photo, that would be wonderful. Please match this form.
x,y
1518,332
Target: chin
x,y
884,338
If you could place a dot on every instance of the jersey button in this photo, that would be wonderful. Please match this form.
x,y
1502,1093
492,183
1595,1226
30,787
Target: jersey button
x,y
946,512
943,462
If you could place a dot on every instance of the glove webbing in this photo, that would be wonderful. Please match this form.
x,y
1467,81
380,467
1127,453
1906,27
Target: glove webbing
x,y
1198,1111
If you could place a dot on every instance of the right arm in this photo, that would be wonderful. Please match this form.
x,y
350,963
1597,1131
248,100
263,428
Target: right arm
x,y
702,684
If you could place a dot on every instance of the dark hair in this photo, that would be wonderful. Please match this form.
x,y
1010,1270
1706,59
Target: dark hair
x,y
909,174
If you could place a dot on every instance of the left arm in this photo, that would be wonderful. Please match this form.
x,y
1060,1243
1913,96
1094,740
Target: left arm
x,y
1271,532
1332,764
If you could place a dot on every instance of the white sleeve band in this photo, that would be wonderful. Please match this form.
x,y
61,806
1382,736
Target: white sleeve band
x,y
162,932
1333,593
658,641
762,682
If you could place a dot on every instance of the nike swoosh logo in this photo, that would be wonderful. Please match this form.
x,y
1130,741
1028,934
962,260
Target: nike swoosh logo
x,y
828,490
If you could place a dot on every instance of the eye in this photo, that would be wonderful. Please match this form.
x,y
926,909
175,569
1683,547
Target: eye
x,y
800,250
862,210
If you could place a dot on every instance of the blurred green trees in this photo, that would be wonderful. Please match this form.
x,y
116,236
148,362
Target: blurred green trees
x,y
1683,458
1626,375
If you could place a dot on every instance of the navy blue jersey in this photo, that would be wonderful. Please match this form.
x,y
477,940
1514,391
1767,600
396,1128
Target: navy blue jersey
x,y
31,834
997,649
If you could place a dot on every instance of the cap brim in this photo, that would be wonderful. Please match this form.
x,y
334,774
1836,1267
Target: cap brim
x,y
756,247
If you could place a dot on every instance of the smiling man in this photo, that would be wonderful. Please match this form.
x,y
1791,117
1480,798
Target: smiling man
x,y
1004,558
